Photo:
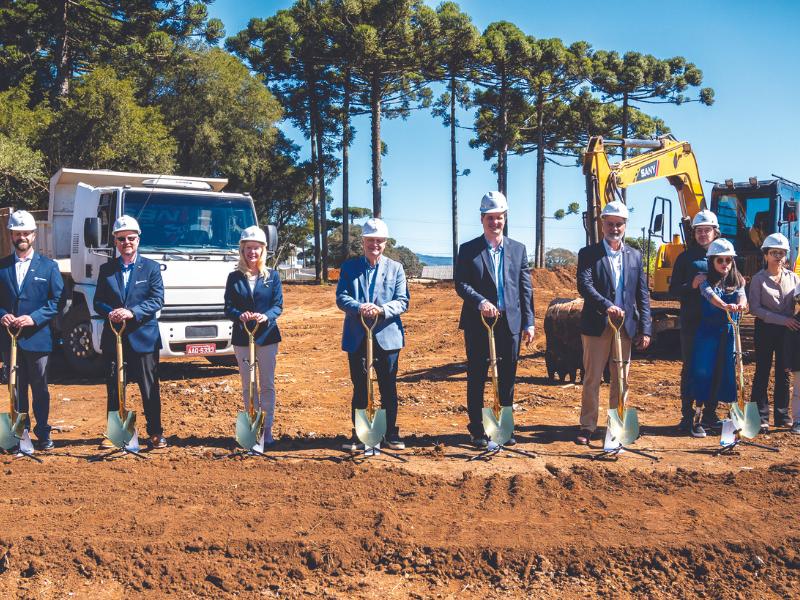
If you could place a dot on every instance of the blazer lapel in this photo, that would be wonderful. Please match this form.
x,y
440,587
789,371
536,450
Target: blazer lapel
x,y
11,273
361,280
30,273
606,262
505,267
380,276
487,262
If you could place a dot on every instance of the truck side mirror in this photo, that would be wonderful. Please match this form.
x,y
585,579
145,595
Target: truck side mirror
x,y
789,211
92,232
272,237
658,223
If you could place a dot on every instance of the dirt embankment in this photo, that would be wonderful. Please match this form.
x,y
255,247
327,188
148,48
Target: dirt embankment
x,y
193,522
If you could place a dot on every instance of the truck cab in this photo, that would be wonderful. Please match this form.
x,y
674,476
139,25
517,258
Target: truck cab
x,y
189,226
750,211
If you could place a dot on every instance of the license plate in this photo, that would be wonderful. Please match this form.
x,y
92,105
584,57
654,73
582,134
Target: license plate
x,y
201,348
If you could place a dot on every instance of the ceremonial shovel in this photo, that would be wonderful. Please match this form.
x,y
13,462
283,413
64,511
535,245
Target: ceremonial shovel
x,y
12,423
250,422
121,425
370,423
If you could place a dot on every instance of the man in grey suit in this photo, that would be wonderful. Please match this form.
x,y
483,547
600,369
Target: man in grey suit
x,y
493,279
374,286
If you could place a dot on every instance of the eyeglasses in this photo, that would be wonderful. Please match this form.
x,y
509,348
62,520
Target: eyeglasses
x,y
723,260
777,253
127,238
614,224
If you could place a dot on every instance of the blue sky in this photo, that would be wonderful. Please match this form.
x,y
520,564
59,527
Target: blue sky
x,y
748,51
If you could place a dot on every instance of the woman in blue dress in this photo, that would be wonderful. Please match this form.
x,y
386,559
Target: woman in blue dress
x,y
713,364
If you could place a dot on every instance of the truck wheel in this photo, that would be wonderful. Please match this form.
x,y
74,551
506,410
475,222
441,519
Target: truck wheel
x,y
226,360
78,350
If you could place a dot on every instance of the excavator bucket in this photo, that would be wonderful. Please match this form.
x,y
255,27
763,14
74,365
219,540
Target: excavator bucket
x,y
121,431
249,431
370,432
499,430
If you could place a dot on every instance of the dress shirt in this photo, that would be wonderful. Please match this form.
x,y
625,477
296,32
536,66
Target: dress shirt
x,y
496,254
615,261
22,265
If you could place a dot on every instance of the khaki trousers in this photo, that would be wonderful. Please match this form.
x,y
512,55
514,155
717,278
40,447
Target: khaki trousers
x,y
597,353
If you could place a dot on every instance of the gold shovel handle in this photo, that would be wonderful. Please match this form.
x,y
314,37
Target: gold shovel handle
x,y
737,351
118,329
623,380
253,364
251,331
493,362
369,360
13,333
368,328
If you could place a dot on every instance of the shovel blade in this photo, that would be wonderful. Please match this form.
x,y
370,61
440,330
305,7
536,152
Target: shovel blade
x,y
752,421
25,443
8,439
248,431
120,431
370,433
728,435
499,430
625,429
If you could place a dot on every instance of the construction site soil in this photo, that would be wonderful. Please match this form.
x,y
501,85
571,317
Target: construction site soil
x,y
193,521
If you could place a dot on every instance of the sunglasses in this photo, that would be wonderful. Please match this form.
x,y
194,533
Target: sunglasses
x,y
777,253
723,260
127,238
615,224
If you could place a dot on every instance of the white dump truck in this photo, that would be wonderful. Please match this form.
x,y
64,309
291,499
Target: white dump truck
x,y
189,226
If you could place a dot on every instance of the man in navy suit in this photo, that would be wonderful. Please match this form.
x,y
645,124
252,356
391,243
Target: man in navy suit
x,y
612,282
30,289
130,289
374,286
493,279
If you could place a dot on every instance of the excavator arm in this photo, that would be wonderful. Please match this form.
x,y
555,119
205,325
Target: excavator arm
x,y
668,159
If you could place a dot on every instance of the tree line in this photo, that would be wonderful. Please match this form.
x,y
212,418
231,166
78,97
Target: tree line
x,y
143,85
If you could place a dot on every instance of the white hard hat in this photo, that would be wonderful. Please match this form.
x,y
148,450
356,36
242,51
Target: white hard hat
x,y
615,208
126,223
721,247
21,220
493,203
777,241
375,228
254,233
705,217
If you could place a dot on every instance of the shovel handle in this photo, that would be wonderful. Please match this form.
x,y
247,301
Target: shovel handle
x,y
13,332
623,380
117,330
251,331
368,328
494,321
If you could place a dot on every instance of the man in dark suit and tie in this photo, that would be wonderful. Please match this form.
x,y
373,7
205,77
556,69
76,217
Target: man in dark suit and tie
x,y
130,289
612,282
493,279
30,289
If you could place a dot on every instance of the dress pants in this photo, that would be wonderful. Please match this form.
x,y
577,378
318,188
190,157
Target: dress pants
x,y
142,368
597,353
266,357
385,363
476,342
32,371
768,339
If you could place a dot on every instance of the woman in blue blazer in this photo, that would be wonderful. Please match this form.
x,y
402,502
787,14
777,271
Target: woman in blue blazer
x,y
253,293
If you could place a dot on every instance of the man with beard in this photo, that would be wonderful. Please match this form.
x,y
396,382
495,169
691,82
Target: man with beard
x,y
612,282
30,289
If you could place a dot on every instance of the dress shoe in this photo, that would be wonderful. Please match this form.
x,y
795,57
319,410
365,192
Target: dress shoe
x,y
157,441
481,442
584,437
45,444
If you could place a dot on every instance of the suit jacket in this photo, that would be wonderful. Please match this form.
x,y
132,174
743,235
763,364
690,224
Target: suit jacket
x,y
391,293
266,298
37,297
144,298
474,280
596,286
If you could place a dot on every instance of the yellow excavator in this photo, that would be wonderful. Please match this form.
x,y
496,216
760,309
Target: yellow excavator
x,y
667,159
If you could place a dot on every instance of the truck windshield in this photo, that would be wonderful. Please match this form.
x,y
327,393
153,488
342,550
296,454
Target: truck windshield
x,y
187,222
745,221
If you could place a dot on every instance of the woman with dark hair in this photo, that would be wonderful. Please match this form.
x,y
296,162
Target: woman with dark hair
x,y
688,273
713,374
772,303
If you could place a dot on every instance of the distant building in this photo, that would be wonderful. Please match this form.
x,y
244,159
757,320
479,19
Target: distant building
x,y
442,272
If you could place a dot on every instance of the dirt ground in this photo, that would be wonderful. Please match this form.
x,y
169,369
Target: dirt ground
x,y
192,522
